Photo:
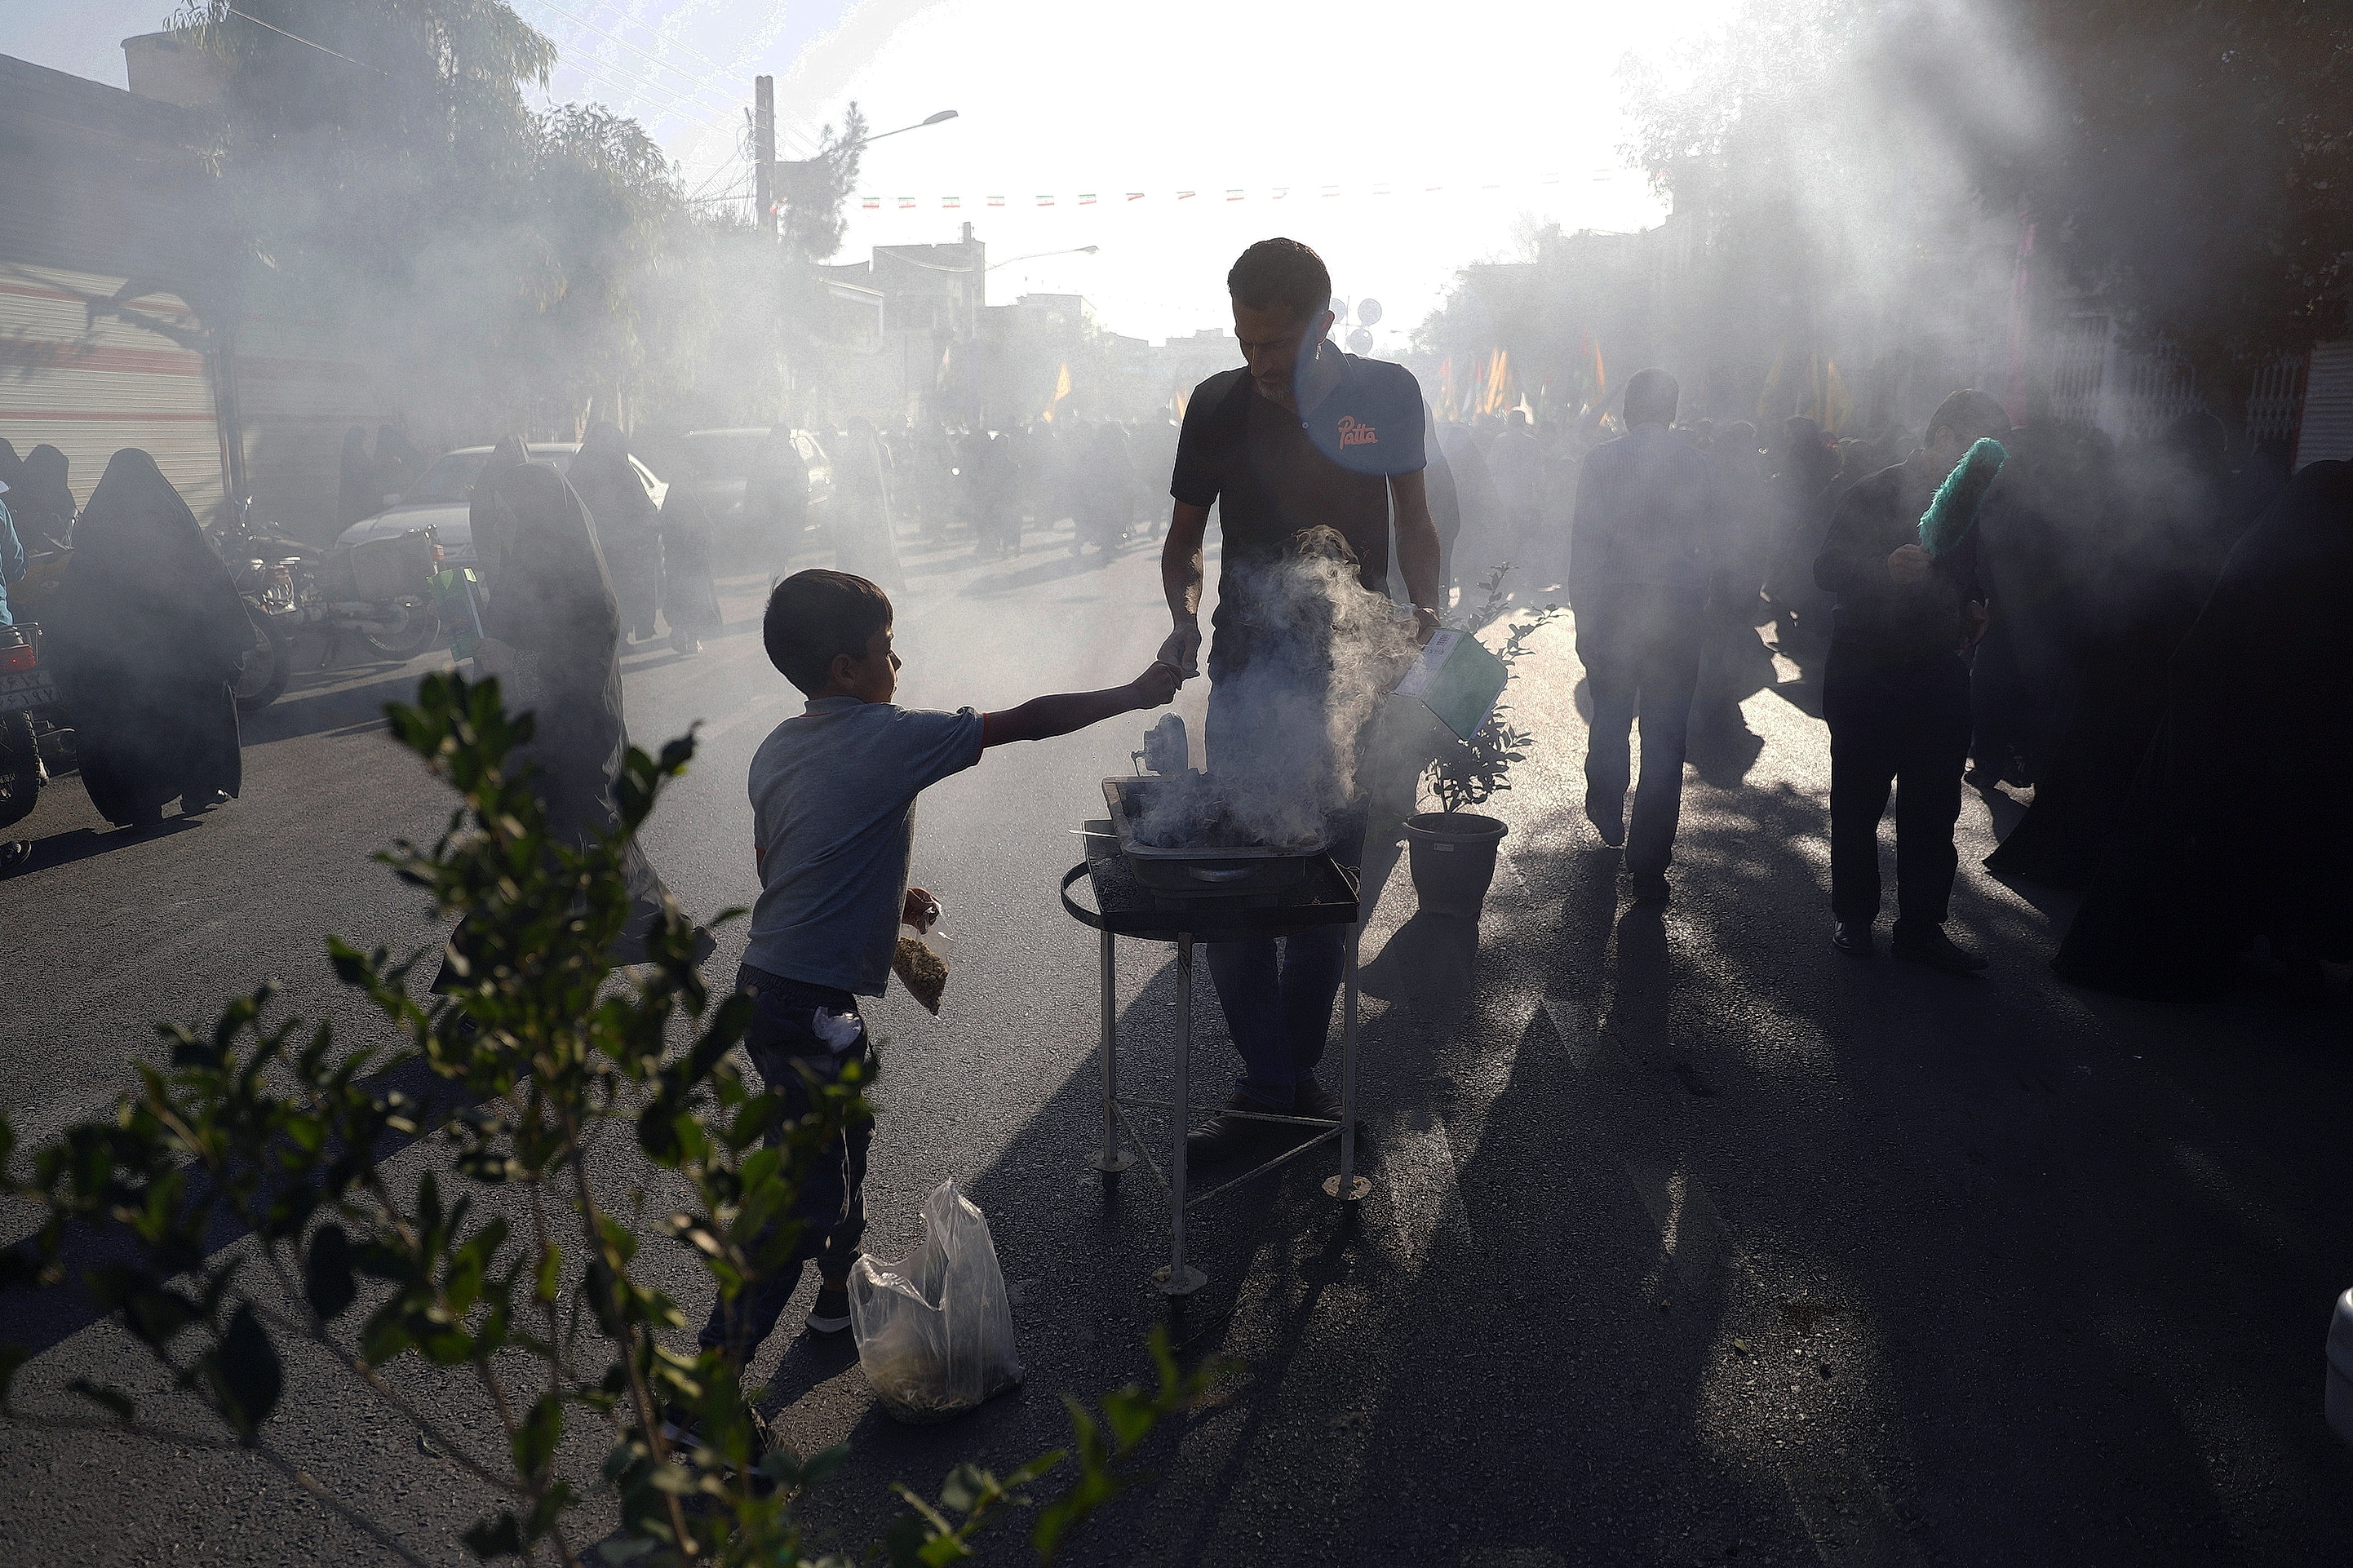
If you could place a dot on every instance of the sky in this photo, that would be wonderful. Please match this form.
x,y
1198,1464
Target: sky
x,y
1440,131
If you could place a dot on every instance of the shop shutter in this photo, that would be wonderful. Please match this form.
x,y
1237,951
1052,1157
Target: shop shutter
x,y
89,375
2327,431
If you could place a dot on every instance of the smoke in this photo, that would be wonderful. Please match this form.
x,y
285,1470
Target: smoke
x,y
1308,654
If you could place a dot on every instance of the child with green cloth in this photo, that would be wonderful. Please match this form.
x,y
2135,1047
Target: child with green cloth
x,y
833,813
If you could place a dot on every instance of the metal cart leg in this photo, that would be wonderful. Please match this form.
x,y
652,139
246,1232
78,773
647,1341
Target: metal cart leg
x,y
1111,1156
1176,1279
1349,1186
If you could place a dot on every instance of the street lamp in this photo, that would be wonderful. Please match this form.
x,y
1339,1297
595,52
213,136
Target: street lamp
x,y
942,117
1035,255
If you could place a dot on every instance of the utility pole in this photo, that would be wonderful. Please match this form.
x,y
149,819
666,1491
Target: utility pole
x,y
764,150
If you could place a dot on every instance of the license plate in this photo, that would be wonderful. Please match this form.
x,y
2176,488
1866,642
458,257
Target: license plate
x,y
22,689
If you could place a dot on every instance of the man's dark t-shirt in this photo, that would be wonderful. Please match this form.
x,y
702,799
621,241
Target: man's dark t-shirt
x,y
1274,474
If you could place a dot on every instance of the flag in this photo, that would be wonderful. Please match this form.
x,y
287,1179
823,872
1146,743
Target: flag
x,y
1233,196
906,202
997,201
1086,198
1280,192
870,203
1184,195
1135,195
1045,201
951,201
1062,383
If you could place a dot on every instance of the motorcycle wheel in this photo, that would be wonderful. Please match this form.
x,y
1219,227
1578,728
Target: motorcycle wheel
x,y
417,633
269,663
20,768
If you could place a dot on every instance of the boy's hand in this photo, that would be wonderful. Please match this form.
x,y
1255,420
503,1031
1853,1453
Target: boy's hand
x,y
1156,687
921,911
1908,564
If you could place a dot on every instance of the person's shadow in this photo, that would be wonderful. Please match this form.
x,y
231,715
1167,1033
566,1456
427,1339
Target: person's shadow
x,y
83,843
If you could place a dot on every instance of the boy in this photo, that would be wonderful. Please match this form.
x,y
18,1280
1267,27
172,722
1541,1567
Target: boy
x,y
833,814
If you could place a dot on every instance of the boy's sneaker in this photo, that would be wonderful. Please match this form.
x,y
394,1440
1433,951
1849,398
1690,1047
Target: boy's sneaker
x,y
830,1313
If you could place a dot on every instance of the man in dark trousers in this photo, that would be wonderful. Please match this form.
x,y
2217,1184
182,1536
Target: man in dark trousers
x,y
1643,552
1895,690
1302,436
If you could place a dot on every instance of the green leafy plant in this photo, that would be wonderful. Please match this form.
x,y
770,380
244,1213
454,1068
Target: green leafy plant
x,y
1471,773
562,1113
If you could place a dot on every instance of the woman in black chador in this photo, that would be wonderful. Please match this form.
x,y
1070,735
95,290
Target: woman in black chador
x,y
148,632
608,486
2240,824
551,634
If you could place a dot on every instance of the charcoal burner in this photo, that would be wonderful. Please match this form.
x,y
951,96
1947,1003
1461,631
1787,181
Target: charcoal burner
x,y
1187,870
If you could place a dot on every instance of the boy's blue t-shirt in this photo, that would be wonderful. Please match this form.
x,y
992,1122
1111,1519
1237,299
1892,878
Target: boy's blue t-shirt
x,y
833,809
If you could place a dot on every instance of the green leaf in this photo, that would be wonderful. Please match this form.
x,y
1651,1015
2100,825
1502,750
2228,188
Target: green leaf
x,y
327,1272
551,1273
966,1485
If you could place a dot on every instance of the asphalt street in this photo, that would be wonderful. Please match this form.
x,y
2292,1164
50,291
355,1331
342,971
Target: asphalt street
x,y
1690,1239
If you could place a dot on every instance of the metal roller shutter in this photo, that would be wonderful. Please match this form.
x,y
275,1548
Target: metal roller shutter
x,y
89,373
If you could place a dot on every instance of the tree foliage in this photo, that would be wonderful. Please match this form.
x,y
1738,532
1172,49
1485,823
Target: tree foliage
x,y
479,1238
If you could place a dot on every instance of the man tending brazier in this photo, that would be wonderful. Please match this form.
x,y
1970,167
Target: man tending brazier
x,y
1303,437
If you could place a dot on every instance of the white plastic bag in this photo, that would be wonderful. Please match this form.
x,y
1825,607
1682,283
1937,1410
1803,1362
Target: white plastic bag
x,y
934,1330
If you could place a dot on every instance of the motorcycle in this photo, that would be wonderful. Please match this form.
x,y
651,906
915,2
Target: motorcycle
x,y
381,590
30,716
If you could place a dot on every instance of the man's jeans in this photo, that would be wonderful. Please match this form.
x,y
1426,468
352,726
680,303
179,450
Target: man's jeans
x,y
794,1025
1641,648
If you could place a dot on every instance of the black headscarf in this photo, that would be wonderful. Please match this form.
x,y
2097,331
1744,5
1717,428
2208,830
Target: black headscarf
x,y
43,503
550,593
146,595
607,483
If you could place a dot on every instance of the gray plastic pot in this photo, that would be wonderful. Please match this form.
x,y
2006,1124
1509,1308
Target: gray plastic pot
x,y
1452,854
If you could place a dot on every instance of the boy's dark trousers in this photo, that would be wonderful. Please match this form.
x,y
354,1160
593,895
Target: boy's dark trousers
x,y
1908,724
790,1022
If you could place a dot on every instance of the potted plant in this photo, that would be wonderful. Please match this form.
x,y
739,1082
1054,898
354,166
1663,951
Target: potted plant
x,y
1453,849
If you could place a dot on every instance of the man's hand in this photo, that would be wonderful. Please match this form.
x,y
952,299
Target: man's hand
x,y
1156,687
1973,622
1182,651
1426,623
1909,563
921,910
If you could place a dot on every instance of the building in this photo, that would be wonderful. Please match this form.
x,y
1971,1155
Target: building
x,y
128,316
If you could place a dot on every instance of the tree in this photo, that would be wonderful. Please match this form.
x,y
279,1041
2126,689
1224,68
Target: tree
x,y
818,191
507,1263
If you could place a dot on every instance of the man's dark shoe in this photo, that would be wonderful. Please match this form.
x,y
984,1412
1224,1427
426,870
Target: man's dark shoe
x,y
1649,886
1853,937
830,1313
1228,1136
1608,821
1936,950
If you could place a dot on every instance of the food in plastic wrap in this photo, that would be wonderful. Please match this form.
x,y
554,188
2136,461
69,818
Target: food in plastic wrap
x,y
934,1330
922,972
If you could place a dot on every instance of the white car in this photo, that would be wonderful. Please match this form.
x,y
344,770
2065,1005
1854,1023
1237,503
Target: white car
x,y
437,499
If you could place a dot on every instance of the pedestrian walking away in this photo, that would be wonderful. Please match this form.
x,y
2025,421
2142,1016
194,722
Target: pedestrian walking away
x,y
1895,690
148,632
628,530
1643,553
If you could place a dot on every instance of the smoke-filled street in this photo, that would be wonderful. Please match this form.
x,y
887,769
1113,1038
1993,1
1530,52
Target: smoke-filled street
x,y
871,783
1689,1239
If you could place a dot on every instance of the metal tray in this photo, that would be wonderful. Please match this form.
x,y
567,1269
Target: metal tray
x,y
1181,869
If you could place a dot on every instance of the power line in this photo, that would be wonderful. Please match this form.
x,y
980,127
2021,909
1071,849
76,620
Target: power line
x,y
658,63
300,40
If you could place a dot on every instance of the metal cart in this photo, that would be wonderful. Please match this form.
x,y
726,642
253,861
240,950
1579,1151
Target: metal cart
x,y
1125,907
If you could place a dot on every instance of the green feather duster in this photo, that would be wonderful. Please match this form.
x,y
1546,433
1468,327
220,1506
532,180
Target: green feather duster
x,y
1953,512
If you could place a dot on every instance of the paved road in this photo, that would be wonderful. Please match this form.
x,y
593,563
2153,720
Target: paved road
x,y
1691,1240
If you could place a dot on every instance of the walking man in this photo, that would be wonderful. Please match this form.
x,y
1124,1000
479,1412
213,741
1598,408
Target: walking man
x,y
1302,436
1895,690
1643,553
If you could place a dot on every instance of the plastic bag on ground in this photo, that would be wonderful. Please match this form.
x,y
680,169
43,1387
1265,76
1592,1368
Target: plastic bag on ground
x,y
934,1330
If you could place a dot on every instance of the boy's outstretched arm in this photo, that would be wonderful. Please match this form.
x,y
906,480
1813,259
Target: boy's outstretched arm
x,y
1043,717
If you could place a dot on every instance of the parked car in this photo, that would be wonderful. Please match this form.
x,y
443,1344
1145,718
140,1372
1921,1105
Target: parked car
x,y
437,499
730,460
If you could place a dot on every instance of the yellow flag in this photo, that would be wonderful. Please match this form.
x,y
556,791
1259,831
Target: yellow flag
x,y
1062,383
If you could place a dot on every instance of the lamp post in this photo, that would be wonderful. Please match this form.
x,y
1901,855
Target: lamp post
x,y
792,178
